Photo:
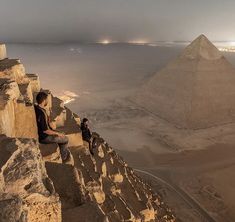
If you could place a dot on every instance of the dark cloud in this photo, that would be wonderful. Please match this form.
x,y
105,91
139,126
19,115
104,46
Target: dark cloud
x,y
119,20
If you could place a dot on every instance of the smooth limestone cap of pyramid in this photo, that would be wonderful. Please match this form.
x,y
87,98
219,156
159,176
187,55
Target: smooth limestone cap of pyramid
x,y
202,47
3,51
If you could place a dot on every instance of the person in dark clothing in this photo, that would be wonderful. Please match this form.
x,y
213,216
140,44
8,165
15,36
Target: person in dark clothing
x,y
86,134
46,134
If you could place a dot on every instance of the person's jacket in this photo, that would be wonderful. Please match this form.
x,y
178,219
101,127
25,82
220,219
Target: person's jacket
x,y
86,133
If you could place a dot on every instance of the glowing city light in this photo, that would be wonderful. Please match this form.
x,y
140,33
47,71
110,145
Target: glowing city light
x,y
232,43
227,49
138,42
105,41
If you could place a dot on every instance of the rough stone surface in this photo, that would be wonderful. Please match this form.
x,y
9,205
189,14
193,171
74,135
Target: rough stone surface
x,y
3,52
34,81
25,184
35,186
16,110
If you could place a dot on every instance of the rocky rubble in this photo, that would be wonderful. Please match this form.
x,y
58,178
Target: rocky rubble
x,y
34,183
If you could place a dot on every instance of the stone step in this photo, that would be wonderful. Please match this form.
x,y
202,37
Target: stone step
x,y
34,82
122,208
22,173
12,69
72,130
15,111
58,112
88,212
3,52
87,168
131,198
66,122
26,91
67,184
50,152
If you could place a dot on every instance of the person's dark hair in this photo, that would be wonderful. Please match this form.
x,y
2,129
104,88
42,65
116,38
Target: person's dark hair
x,y
85,120
41,96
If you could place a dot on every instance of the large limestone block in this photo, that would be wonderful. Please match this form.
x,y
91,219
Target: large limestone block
x,y
96,192
12,69
9,90
88,212
42,208
77,118
58,114
72,130
26,91
3,51
17,117
25,121
7,119
67,184
24,174
50,152
148,214
12,209
75,139
117,178
34,82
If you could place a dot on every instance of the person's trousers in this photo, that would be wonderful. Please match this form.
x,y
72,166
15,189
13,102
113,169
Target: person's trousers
x,y
62,143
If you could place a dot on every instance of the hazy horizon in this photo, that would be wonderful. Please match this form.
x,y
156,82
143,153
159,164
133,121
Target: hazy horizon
x,y
115,20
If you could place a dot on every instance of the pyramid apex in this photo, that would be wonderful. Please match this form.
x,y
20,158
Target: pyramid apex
x,y
202,47
202,36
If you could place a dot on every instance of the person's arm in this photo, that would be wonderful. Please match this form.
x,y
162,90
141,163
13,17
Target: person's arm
x,y
52,125
50,132
89,132
46,128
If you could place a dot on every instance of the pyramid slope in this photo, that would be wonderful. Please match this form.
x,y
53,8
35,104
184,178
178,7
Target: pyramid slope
x,y
193,91
201,47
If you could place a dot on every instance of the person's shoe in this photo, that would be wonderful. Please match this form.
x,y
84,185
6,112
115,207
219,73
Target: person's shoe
x,y
91,152
67,158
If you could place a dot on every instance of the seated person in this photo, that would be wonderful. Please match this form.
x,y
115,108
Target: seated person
x,y
45,132
86,134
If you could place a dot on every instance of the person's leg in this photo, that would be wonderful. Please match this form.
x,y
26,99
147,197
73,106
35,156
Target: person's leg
x,y
62,143
94,143
90,148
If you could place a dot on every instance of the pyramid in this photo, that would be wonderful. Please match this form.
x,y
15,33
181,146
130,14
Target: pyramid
x,y
195,91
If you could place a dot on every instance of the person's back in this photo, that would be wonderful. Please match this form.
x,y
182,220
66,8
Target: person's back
x,y
46,134
86,133
41,116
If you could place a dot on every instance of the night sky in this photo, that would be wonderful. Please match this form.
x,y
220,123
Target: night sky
x,y
116,20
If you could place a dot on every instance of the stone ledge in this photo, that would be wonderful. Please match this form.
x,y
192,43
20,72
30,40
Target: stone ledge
x,y
3,51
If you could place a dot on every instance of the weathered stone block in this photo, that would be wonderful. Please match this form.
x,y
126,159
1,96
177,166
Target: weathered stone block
x,y
3,51
34,82
24,175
